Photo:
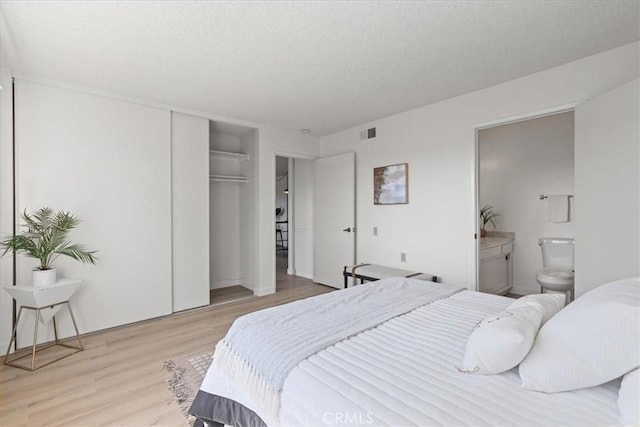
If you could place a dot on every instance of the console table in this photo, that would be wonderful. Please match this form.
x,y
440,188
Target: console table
x,y
45,301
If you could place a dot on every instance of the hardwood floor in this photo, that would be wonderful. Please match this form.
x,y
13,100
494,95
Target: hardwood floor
x,y
228,294
119,380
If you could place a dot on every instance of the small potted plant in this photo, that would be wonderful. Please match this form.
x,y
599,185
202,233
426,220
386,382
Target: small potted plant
x,y
487,215
45,238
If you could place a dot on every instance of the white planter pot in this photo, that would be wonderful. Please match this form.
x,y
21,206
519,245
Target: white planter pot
x,y
43,277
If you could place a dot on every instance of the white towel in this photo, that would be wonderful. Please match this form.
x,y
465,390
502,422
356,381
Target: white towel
x,y
558,208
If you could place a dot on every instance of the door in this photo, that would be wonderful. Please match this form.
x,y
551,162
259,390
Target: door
x,y
334,218
190,211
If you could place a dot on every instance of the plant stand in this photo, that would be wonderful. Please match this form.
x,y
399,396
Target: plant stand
x,y
45,301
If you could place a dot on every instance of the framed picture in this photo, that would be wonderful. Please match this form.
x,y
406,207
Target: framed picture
x,y
391,184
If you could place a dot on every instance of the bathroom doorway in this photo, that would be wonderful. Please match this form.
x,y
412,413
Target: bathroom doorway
x,y
519,164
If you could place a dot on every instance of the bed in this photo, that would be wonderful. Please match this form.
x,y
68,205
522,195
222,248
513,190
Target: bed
x,y
400,371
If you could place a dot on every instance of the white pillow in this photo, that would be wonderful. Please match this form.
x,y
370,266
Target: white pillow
x,y
501,341
628,398
550,304
593,340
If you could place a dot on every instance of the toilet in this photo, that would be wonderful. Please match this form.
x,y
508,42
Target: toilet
x,y
557,260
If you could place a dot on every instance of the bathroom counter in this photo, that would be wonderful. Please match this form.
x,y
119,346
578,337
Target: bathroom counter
x,y
496,238
491,241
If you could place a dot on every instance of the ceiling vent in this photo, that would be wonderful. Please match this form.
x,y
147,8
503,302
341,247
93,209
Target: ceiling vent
x,y
367,134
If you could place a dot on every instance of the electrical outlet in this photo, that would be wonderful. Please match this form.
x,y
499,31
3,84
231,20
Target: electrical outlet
x,y
403,257
375,231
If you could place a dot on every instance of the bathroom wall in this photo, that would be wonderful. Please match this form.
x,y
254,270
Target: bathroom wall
x,y
518,163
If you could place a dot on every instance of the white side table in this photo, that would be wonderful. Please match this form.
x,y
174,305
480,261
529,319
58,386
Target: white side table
x,y
46,301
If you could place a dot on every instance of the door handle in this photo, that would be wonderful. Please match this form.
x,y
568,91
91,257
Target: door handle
x,y
349,229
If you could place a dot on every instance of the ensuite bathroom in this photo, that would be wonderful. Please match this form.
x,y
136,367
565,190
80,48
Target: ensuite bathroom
x,y
525,206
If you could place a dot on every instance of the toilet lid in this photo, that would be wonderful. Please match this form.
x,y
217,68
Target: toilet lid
x,y
556,273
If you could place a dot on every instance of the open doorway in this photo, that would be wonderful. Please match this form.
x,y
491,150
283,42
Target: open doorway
x,y
522,166
282,217
294,193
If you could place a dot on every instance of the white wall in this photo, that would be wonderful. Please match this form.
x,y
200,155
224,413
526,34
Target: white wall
x,y
608,188
190,210
303,173
436,229
519,162
224,214
108,162
6,209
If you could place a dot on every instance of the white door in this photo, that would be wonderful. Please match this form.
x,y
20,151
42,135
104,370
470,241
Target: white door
x,y
190,211
334,218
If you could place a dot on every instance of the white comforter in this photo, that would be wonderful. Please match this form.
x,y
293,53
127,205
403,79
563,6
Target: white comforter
x,y
404,373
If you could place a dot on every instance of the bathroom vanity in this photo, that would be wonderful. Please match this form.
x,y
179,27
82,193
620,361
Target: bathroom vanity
x,y
496,265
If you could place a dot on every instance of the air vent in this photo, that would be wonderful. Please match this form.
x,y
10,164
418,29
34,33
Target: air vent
x,y
367,134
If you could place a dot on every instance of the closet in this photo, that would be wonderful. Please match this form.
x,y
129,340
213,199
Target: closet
x,y
232,207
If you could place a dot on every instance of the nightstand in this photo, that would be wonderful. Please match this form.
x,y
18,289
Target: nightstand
x,y
45,301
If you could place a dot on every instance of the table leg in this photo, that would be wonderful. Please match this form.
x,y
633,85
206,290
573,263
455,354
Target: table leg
x,y
55,330
13,335
75,326
35,340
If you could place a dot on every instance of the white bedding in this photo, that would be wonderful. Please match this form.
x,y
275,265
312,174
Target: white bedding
x,y
403,372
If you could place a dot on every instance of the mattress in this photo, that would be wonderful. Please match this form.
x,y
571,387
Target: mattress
x,y
404,372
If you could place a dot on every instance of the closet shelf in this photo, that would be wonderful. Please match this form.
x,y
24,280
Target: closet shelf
x,y
227,155
228,178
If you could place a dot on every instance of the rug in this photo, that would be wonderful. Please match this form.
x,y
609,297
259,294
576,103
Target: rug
x,y
187,374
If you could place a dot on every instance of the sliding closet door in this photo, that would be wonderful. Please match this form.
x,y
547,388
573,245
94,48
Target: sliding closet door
x,y
190,210
107,161
607,187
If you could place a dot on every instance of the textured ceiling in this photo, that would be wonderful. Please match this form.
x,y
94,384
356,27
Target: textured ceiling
x,y
323,66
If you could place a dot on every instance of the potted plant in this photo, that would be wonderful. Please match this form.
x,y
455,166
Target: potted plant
x,y
487,215
45,238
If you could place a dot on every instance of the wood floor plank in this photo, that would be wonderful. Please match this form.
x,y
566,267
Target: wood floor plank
x,y
118,380
230,293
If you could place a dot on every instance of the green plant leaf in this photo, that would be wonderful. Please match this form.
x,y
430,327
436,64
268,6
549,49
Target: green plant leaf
x,y
45,237
487,215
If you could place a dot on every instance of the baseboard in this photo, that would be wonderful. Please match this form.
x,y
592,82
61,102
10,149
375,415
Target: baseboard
x,y
260,292
228,282
293,272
